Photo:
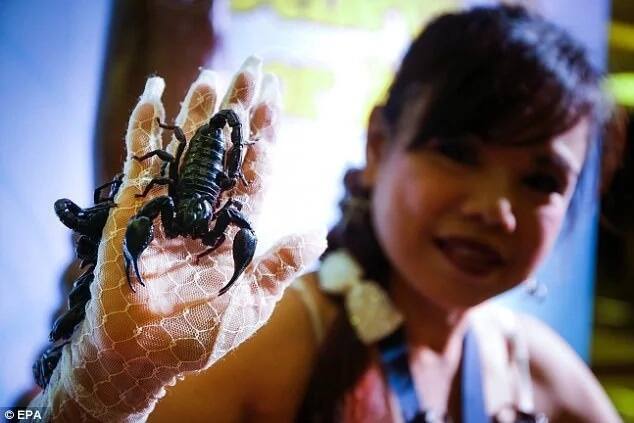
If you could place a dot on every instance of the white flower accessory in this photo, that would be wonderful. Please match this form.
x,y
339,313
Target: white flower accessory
x,y
370,310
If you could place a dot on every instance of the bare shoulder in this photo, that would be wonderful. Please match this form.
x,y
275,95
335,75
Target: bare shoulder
x,y
263,379
565,388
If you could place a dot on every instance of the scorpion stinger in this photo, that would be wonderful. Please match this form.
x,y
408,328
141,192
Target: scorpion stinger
x,y
195,187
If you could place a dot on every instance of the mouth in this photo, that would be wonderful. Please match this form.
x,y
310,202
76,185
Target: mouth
x,y
475,258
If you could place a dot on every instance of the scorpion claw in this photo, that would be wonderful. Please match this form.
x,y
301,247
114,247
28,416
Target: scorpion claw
x,y
127,274
138,236
244,245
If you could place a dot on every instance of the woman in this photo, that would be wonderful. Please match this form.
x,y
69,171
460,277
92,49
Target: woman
x,y
472,165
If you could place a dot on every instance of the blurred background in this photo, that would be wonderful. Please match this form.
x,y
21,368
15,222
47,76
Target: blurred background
x,y
71,72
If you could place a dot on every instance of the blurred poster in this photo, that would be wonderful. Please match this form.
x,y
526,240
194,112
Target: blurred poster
x,y
335,60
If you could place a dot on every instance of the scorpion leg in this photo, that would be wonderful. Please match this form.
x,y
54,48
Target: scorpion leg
x,y
156,181
164,169
140,232
164,155
114,187
244,243
182,142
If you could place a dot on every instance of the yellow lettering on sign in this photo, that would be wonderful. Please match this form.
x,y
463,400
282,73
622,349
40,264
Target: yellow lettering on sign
x,y
351,13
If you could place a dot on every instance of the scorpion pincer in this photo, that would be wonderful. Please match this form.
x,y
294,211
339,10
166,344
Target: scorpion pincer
x,y
193,199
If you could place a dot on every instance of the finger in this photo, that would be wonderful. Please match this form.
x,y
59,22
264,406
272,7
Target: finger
x,y
243,89
199,104
276,269
266,112
257,164
143,135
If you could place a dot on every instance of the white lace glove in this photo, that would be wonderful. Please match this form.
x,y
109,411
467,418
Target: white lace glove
x,y
131,345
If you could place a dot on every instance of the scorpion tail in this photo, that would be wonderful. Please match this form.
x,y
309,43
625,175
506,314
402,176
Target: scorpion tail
x,y
244,245
68,213
65,324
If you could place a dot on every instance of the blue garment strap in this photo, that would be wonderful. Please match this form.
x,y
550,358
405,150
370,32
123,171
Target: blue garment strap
x,y
471,389
395,360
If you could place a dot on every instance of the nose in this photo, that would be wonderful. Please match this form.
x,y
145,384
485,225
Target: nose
x,y
490,208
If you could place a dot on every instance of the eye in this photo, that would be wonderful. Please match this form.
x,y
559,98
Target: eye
x,y
460,150
545,183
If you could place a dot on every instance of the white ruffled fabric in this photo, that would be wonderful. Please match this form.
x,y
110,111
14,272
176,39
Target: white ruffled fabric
x,y
370,310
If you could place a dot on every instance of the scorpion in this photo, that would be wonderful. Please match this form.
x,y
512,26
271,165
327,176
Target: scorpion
x,y
193,198
88,223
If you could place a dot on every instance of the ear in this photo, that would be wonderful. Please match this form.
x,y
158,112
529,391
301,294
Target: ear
x,y
375,145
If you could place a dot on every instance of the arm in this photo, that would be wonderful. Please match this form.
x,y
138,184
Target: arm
x,y
565,388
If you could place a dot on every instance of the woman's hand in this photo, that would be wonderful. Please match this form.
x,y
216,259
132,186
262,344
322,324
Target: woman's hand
x,y
132,344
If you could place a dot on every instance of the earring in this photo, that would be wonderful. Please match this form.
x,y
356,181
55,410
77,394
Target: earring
x,y
536,289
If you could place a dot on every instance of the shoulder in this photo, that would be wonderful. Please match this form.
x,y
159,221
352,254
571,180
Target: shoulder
x,y
285,349
565,388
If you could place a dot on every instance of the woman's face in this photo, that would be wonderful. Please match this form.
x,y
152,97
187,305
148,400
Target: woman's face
x,y
462,221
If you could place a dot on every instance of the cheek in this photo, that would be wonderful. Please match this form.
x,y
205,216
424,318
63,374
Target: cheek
x,y
537,232
409,199
397,206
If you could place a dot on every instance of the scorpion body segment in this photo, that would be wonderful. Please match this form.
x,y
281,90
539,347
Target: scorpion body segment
x,y
195,185
203,165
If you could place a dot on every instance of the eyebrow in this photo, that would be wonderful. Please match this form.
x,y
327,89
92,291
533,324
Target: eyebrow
x,y
556,160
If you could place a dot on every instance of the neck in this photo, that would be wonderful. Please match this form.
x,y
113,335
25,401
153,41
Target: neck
x,y
428,325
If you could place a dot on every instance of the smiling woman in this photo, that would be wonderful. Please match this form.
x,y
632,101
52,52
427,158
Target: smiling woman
x,y
483,215
472,164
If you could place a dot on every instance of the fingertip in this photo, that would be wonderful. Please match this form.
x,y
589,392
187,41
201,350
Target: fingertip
x,y
245,85
264,118
270,92
153,90
207,77
315,242
252,65
299,251
199,103
143,134
291,256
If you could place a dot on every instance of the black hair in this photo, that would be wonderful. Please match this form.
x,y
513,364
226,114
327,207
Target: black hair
x,y
500,73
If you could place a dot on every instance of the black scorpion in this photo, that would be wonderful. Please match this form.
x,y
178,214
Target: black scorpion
x,y
88,224
193,198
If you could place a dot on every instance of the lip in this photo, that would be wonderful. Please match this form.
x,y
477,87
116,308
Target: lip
x,y
470,256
